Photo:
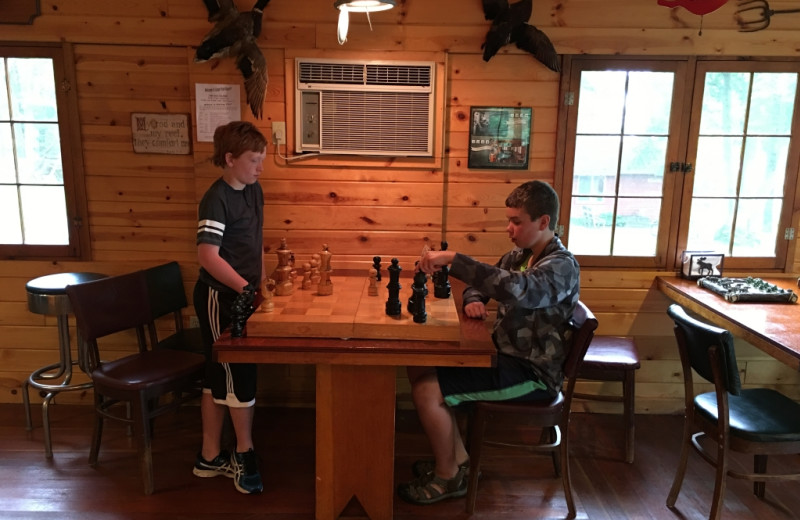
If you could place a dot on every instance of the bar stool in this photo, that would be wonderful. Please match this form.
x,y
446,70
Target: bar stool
x,y
47,295
614,358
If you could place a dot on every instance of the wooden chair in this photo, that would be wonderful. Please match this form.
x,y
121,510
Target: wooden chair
x,y
614,358
551,416
121,303
756,421
167,296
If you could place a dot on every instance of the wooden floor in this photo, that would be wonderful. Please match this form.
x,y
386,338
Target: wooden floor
x,y
513,485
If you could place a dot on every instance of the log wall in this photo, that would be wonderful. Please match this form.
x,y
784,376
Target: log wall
x,y
137,57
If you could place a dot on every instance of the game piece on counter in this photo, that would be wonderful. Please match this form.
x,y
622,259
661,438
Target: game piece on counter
x,y
441,283
419,290
306,283
283,272
373,282
393,305
325,287
267,288
376,264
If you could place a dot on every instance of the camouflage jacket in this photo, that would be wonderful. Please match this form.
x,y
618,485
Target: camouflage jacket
x,y
533,306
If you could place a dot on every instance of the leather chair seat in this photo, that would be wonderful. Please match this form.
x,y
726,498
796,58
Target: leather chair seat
x,y
140,371
758,414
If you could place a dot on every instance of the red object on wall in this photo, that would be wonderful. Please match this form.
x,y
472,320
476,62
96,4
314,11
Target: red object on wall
x,y
699,7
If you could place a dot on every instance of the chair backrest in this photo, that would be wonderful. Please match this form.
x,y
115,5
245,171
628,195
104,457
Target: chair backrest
x,y
110,305
695,339
166,291
583,324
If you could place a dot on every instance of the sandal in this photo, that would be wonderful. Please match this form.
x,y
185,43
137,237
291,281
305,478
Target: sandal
x,y
425,466
430,488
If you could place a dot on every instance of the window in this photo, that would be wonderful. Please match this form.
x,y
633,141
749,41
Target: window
x,y
40,192
679,154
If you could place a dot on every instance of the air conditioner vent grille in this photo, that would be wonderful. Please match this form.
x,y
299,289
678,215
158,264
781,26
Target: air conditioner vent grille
x,y
367,122
332,73
398,75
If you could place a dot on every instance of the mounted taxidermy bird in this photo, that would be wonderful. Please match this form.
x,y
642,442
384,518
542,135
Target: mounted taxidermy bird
x,y
510,25
234,34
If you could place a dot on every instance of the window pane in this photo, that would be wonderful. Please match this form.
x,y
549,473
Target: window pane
x,y
33,95
38,153
602,99
7,169
3,91
772,104
764,167
710,226
642,167
717,168
44,212
724,103
11,230
756,223
596,163
649,103
636,232
590,225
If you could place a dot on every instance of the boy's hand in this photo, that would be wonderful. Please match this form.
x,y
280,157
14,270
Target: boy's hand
x,y
476,310
433,261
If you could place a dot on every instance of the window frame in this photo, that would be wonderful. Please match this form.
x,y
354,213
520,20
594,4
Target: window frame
x,y
71,154
682,145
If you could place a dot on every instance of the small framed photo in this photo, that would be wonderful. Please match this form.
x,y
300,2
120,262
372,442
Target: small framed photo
x,y
698,264
499,137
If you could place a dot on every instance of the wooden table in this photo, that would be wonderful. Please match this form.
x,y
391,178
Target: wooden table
x,y
355,376
772,327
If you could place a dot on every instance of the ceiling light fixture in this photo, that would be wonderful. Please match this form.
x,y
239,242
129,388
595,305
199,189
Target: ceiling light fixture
x,y
346,7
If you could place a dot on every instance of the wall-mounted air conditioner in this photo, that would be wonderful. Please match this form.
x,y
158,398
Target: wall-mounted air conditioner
x,y
364,108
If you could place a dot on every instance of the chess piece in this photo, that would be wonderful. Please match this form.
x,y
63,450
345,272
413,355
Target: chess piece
x,y
241,309
376,264
372,290
283,272
267,288
325,286
419,290
306,283
393,305
441,284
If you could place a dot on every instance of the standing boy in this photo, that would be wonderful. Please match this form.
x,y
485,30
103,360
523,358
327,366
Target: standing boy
x,y
230,253
536,286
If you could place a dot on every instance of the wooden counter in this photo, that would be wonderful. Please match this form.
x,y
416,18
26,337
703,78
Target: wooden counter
x,y
772,327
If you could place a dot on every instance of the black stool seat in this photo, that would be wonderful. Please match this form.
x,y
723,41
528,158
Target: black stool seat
x,y
47,295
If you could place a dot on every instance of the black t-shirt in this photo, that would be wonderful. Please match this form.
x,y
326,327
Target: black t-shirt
x,y
233,220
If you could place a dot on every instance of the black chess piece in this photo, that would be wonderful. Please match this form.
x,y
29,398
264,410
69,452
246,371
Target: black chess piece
x,y
441,284
241,309
393,305
419,290
376,263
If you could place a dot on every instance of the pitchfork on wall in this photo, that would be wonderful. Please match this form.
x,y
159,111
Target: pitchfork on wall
x,y
755,15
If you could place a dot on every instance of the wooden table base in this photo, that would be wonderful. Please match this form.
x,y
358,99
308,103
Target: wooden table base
x,y
355,444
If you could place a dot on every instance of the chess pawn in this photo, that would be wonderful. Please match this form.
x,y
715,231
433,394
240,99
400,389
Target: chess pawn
x,y
315,276
372,290
306,283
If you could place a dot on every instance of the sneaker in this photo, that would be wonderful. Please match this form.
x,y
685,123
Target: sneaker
x,y
219,465
247,478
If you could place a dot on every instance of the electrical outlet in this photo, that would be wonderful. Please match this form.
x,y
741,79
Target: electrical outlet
x,y
279,132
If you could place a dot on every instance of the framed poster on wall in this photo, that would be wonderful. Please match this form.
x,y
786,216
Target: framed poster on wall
x,y
499,137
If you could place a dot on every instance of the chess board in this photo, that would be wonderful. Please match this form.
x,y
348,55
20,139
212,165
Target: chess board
x,y
746,289
350,312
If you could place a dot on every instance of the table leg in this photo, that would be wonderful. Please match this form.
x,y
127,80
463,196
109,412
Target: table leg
x,y
355,440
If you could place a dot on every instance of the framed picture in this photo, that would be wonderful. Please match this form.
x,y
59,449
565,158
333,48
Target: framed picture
x,y
499,137
697,264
